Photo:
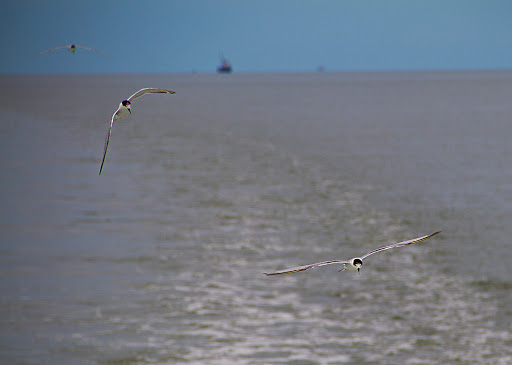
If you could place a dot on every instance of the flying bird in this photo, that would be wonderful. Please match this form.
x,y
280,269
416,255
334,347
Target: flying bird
x,y
355,263
125,109
72,48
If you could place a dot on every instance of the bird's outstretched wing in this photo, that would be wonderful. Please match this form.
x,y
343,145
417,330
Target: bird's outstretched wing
x,y
51,49
399,244
107,139
307,267
150,90
92,49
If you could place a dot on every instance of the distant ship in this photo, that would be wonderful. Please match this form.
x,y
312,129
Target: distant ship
x,y
225,66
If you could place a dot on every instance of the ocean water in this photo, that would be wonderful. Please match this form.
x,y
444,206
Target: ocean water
x,y
159,260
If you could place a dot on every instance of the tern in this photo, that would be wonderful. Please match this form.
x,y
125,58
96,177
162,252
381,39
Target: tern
x,y
355,263
125,109
72,48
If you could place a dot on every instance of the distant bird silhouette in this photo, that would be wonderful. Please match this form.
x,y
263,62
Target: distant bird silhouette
x,y
72,48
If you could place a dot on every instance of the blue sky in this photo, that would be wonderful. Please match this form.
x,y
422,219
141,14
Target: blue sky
x,y
256,36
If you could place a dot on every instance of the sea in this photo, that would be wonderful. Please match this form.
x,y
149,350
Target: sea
x,y
160,259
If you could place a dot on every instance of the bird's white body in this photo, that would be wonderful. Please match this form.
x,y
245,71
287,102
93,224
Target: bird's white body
x,y
353,264
122,111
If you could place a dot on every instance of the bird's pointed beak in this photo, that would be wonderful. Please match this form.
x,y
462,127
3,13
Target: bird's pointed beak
x,y
358,272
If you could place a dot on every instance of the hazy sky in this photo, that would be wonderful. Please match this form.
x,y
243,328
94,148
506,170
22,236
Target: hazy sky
x,y
256,36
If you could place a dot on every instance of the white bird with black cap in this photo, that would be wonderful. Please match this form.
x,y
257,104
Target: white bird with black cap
x,y
124,109
353,264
